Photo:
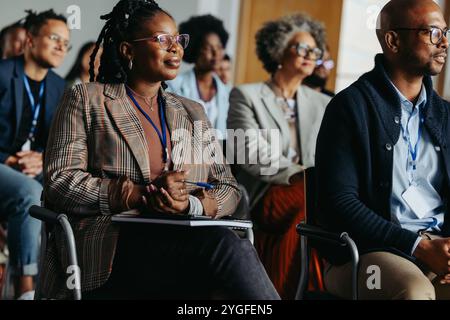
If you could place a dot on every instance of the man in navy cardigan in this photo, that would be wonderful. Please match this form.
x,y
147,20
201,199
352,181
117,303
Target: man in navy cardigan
x,y
29,94
383,164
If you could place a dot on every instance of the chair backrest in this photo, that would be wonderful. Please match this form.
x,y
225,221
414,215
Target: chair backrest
x,y
310,196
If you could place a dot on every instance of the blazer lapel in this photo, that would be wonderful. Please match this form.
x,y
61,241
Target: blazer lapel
x,y
18,95
178,124
305,118
18,91
124,116
51,99
269,100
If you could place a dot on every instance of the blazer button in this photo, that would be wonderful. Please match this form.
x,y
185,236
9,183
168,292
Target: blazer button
x,y
397,120
388,147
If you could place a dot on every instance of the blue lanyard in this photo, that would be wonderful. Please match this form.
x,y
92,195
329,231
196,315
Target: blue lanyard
x,y
413,150
162,135
35,107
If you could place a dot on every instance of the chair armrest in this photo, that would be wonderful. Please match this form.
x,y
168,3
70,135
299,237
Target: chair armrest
x,y
342,239
44,214
320,234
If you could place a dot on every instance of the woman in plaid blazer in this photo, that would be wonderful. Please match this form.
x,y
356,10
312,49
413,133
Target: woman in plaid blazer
x,y
123,143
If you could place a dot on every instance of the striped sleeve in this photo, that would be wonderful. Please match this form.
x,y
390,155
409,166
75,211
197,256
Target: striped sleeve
x,y
69,187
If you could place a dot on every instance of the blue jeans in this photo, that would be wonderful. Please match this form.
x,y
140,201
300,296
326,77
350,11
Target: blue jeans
x,y
17,194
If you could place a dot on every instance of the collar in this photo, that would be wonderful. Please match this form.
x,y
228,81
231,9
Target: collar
x,y
421,101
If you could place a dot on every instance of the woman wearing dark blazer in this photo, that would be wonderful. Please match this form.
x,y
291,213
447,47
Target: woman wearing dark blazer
x,y
123,143
288,116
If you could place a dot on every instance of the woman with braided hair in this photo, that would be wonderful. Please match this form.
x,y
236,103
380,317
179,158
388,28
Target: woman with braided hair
x,y
113,148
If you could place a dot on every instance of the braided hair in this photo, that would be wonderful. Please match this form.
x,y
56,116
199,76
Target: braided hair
x,y
122,23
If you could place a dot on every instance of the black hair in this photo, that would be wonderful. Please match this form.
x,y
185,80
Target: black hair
x,y
75,71
6,30
226,57
34,21
198,28
122,23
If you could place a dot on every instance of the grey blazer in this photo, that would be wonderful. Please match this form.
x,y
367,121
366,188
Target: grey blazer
x,y
254,106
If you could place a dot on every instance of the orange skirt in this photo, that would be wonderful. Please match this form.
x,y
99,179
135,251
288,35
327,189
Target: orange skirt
x,y
277,242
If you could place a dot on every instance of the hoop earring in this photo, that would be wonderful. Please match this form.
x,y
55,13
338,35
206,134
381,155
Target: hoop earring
x,y
130,64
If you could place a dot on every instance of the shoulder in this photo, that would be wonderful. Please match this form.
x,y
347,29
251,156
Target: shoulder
x,y
181,80
56,81
315,96
193,108
93,93
7,70
8,65
250,89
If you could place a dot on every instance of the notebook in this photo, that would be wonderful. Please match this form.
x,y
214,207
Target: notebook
x,y
134,216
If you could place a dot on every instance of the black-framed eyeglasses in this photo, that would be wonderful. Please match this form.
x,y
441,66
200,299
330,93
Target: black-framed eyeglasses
x,y
304,50
166,41
436,33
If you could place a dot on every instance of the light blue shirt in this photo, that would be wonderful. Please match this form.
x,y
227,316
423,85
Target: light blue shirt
x,y
185,84
429,168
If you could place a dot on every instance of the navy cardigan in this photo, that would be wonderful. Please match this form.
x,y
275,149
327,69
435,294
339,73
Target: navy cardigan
x,y
354,163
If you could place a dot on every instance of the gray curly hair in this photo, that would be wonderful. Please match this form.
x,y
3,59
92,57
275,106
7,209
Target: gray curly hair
x,y
273,38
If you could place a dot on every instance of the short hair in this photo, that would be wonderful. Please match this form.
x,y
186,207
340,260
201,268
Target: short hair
x,y
198,28
34,21
226,57
6,30
122,23
272,39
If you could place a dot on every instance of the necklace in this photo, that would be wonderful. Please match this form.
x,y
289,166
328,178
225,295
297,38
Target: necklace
x,y
147,99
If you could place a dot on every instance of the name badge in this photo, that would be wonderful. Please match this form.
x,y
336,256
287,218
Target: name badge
x,y
422,200
26,146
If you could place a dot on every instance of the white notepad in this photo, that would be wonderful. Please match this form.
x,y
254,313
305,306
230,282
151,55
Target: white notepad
x,y
181,220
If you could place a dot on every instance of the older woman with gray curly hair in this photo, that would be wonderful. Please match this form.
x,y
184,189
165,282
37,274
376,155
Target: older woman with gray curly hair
x,y
285,117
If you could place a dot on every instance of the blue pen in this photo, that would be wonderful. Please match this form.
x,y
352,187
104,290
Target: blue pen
x,y
205,185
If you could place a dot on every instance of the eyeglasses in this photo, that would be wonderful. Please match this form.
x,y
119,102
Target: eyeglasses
x,y
166,41
58,39
436,34
327,64
304,50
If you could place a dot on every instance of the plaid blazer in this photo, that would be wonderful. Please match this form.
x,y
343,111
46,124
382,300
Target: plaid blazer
x,y
96,137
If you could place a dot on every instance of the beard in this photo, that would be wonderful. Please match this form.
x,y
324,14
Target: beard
x,y
315,81
421,67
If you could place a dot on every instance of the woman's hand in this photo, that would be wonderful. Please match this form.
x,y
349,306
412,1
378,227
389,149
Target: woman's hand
x,y
161,201
173,183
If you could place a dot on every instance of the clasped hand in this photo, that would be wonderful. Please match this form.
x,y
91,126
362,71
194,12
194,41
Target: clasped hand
x,y
167,193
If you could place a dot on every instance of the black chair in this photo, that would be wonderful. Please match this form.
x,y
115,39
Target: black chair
x,y
309,230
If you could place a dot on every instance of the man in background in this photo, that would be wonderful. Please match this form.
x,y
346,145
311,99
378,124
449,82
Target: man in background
x,y
318,80
12,40
29,94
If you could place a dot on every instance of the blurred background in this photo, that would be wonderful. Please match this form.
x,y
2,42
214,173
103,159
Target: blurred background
x,y
350,26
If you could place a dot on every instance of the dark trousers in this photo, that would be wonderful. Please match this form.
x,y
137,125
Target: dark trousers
x,y
173,262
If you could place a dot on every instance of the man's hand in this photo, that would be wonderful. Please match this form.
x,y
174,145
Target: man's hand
x,y
30,163
435,254
12,161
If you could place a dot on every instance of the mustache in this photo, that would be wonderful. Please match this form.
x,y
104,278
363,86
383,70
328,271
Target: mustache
x,y
442,53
